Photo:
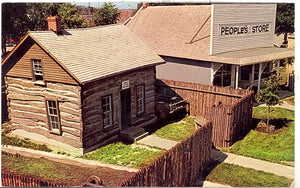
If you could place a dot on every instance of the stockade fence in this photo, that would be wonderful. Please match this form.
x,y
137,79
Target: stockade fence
x,y
179,166
230,110
14,180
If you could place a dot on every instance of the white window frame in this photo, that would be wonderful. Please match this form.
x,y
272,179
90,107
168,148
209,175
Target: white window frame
x,y
107,111
140,98
53,118
37,68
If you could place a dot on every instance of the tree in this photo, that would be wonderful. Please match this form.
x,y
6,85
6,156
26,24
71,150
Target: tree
x,y
269,95
70,17
107,14
14,23
285,19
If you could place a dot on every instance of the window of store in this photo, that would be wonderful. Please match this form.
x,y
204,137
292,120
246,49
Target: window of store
x,y
223,76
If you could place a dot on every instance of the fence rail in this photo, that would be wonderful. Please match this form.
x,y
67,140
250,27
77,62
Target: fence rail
x,y
14,180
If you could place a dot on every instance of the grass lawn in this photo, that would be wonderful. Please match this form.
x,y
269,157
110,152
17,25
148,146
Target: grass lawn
x,y
270,147
125,155
177,131
65,174
290,100
238,176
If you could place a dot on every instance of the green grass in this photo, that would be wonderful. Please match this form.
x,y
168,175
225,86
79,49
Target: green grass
x,y
125,155
177,131
290,100
238,176
260,112
66,174
16,141
270,147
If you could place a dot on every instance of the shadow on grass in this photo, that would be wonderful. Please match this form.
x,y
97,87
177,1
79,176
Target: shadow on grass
x,y
161,122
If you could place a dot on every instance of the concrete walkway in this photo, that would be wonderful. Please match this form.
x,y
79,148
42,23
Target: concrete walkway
x,y
278,169
283,105
153,140
54,145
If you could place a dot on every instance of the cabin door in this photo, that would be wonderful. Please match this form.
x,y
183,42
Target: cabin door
x,y
126,108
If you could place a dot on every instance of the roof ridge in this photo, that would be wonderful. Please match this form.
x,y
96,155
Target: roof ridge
x,y
95,27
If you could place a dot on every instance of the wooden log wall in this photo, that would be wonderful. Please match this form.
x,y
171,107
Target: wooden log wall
x,y
230,110
178,166
15,180
27,108
94,134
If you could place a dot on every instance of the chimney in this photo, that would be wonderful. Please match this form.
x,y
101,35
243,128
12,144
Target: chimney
x,y
145,5
54,24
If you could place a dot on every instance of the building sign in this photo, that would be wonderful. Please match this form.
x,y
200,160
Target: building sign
x,y
242,29
125,84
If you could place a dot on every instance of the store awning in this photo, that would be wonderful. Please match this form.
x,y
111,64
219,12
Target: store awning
x,y
254,55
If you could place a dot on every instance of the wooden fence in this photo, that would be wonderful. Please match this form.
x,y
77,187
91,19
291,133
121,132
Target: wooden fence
x,y
14,180
179,166
230,110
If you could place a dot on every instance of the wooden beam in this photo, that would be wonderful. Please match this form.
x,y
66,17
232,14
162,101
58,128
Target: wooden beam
x,y
252,74
259,77
236,77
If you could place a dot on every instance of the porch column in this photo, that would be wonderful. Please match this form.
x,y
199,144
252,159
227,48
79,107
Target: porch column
x,y
277,68
259,76
252,74
236,77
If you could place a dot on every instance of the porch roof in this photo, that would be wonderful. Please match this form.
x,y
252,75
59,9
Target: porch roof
x,y
253,55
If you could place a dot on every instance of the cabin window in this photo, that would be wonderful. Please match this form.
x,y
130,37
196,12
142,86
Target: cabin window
x,y
37,69
223,76
53,116
140,98
107,111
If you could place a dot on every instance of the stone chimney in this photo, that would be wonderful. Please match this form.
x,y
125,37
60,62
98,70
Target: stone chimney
x,y
145,5
54,24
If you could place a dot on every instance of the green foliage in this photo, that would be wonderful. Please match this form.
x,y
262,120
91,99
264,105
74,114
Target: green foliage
x,y
238,176
125,155
70,17
285,19
18,18
269,95
107,14
15,141
14,22
270,147
178,131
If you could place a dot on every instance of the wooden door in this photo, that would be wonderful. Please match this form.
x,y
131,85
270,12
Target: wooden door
x,y
126,108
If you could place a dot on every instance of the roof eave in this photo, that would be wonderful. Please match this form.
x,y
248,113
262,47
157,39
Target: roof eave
x,y
15,48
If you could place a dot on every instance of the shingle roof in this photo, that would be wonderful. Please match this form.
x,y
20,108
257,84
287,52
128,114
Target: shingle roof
x,y
184,31
179,31
97,52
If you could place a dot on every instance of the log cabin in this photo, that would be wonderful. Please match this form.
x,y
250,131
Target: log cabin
x,y
229,45
84,87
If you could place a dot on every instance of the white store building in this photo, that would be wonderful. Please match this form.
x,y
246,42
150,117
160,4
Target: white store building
x,y
218,44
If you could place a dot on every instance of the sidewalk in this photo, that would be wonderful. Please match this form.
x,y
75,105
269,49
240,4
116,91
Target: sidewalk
x,y
278,169
283,105
153,140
